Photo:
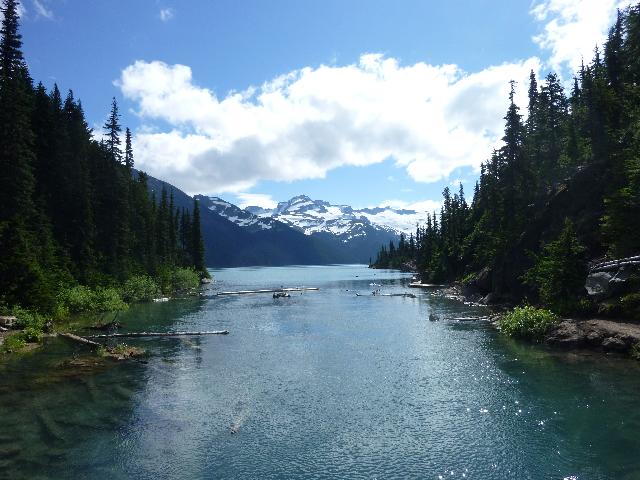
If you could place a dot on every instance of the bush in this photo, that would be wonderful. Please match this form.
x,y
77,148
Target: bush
x,y
76,299
139,288
29,318
528,322
13,343
31,334
108,299
185,279
81,299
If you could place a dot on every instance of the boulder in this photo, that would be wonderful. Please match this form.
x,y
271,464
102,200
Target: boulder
x,y
619,281
614,344
8,321
490,298
567,333
483,280
597,284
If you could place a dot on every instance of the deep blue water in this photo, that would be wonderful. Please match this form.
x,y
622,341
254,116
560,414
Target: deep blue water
x,y
321,385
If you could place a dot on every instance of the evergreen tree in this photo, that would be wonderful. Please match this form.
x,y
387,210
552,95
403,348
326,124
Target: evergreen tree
x,y
128,150
112,130
197,243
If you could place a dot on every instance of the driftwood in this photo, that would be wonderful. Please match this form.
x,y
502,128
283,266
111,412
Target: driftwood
x,y
615,264
158,334
425,285
76,338
270,290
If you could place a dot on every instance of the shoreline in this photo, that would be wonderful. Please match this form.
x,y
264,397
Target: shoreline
x,y
600,335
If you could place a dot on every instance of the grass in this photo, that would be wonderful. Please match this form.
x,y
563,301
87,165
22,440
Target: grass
x,y
528,322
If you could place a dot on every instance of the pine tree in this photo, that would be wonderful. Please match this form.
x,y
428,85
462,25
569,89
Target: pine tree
x,y
112,130
197,243
128,150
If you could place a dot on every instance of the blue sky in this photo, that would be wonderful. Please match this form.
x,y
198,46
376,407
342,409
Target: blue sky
x,y
353,102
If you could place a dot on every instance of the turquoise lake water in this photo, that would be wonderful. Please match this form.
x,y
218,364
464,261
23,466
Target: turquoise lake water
x,y
321,385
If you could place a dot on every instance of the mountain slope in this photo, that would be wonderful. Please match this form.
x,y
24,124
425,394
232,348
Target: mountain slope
x,y
228,244
314,216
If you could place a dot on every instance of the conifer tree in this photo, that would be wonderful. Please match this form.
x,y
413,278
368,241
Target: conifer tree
x,y
197,243
112,130
128,150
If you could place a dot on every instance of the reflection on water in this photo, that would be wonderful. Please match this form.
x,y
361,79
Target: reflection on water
x,y
320,385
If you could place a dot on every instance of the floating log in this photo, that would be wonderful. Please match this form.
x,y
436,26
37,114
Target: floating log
x,y
407,295
614,264
158,334
425,285
269,290
77,338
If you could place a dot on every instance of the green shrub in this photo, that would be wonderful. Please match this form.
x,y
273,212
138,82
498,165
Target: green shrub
x,y
528,322
81,299
635,351
139,288
185,279
13,343
31,334
76,299
29,318
108,299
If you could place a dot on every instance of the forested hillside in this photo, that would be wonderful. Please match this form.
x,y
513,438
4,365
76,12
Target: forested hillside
x,y
71,212
562,190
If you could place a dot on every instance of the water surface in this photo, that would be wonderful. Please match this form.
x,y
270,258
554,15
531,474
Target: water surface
x,y
323,384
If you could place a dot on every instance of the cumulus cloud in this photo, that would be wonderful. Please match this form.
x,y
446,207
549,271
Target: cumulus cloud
x,y
167,14
257,200
430,119
572,28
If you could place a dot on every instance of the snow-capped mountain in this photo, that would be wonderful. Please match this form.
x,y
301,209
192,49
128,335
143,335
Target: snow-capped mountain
x,y
237,215
338,233
313,216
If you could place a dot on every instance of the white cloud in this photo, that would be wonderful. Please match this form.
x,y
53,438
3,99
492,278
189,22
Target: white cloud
x,y
167,14
572,28
42,10
256,199
431,119
428,206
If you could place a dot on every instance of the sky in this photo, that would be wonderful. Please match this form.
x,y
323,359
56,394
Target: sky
x,y
365,103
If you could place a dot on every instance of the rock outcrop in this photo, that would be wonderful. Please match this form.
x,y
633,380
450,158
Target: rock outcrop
x,y
599,334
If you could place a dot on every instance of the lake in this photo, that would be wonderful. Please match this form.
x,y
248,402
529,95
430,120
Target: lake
x,y
325,384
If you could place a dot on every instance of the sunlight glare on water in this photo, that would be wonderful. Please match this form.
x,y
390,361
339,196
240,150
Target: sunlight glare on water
x,y
324,384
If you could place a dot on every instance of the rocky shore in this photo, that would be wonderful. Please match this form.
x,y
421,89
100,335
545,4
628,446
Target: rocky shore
x,y
597,334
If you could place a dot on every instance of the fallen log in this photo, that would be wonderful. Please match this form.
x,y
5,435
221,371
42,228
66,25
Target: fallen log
x,y
158,334
269,290
76,338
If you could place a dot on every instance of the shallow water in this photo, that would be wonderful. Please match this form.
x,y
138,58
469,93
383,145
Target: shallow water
x,y
323,384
